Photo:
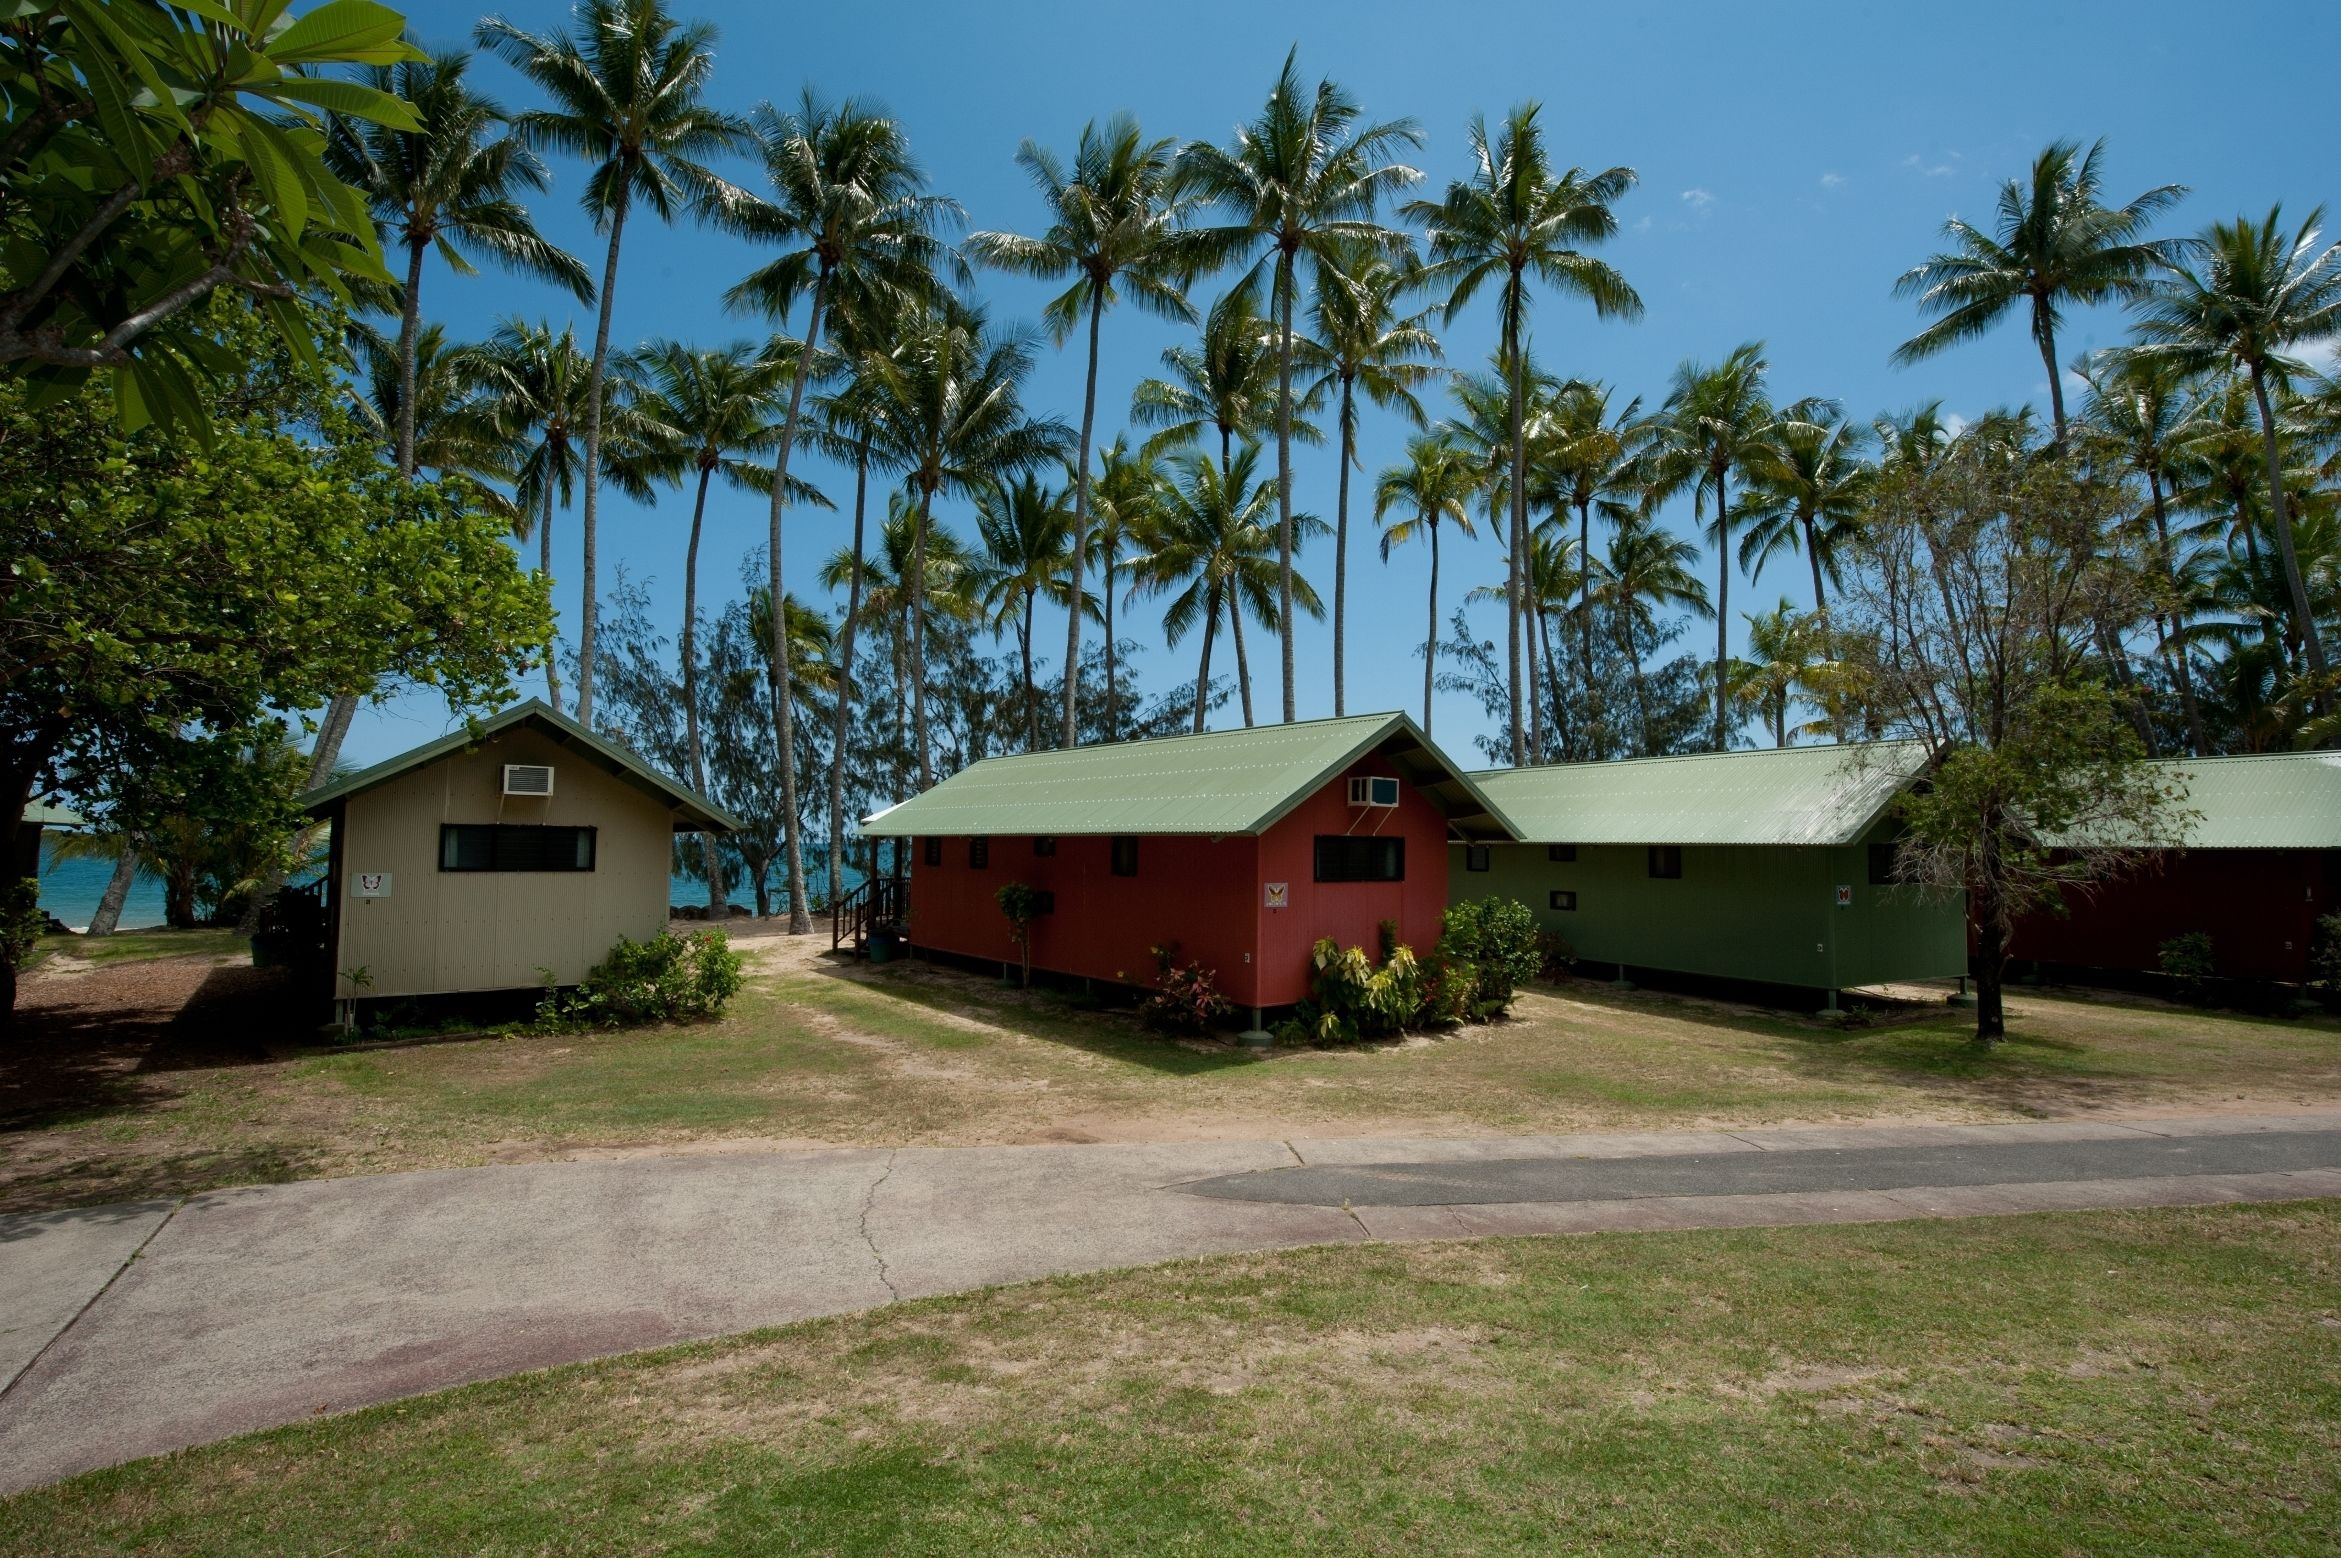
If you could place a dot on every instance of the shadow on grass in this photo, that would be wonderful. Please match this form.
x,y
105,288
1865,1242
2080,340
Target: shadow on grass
x,y
104,1182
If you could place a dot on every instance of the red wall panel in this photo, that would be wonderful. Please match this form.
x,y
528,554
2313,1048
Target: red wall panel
x,y
1206,895
2259,907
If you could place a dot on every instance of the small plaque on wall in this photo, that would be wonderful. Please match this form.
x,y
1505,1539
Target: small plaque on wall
x,y
1278,895
371,884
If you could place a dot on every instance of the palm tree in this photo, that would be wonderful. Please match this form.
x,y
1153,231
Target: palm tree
x,y
1027,536
1912,441
1225,383
1809,496
1436,483
1782,649
533,385
2145,413
450,427
1363,339
1590,458
1306,177
1555,574
1717,421
1513,218
626,92
1127,491
2260,293
954,421
2055,242
1114,226
1213,553
889,596
1648,568
712,410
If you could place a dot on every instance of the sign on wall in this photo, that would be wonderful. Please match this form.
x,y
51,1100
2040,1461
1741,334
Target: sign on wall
x,y
1279,895
1844,897
372,884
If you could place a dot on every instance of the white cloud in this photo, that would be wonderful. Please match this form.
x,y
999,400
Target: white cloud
x,y
1832,180
1954,423
1698,199
1933,170
1642,225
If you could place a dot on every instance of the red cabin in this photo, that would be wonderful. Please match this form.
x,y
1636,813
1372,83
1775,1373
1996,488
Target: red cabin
x,y
1239,849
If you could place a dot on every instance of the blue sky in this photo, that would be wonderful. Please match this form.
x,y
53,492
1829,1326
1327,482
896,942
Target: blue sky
x,y
1793,159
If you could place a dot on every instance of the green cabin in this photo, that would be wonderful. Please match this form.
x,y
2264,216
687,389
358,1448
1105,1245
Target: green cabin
x,y
1769,867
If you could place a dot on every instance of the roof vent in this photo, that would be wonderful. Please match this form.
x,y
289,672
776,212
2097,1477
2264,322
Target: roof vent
x,y
1365,791
528,779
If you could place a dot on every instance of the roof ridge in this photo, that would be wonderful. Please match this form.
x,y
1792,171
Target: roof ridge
x,y
1688,757
1186,735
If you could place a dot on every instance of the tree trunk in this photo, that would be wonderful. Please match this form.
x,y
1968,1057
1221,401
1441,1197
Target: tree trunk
x,y
1595,713
1430,642
1516,557
109,909
410,315
545,567
1552,684
845,637
1641,686
1813,556
800,921
589,616
179,897
1113,727
2045,333
2293,582
1031,693
1235,624
709,856
1203,670
1991,972
918,638
1080,531
1284,621
1722,605
2174,648
1341,546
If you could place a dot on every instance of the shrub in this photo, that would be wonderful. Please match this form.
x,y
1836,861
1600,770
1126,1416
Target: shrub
x,y
1022,906
2187,959
1350,998
1186,997
2325,961
1499,939
668,978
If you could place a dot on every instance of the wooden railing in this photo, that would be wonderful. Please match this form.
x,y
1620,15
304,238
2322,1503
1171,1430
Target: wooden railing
x,y
877,903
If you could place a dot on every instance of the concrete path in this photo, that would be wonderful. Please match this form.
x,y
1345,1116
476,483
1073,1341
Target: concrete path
x,y
125,1331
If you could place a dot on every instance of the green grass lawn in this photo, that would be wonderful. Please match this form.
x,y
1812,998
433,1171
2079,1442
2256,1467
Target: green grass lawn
x,y
133,946
2165,1381
910,1055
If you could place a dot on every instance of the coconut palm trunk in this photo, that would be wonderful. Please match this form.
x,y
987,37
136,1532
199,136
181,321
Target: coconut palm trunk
x,y
800,919
1722,605
2045,333
544,541
1284,621
710,857
1235,624
2294,583
1203,668
1515,561
1341,545
1113,727
918,640
589,536
2174,647
108,913
845,646
1031,693
1430,638
1081,539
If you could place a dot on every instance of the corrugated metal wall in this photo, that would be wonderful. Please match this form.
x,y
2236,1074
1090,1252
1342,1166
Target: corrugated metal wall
x,y
439,932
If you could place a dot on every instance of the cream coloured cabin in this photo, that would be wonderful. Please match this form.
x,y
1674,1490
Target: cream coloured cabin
x,y
505,856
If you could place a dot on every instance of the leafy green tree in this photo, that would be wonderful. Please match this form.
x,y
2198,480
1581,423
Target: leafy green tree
x,y
1717,422
1363,338
452,184
1515,219
2055,242
1648,568
1435,484
2253,294
1027,536
627,95
1114,227
1127,490
155,153
1305,176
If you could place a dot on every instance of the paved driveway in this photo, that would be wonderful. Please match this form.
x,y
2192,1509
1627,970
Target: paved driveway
x,y
130,1330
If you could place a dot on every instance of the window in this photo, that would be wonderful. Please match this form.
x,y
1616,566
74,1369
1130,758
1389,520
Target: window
x,y
1475,857
1125,856
1341,858
1561,854
979,854
1666,862
1044,847
513,846
930,852
1563,900
1881,865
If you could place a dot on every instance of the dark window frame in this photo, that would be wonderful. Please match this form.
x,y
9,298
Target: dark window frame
x,y
1881,864
979,852
1476,857
1561,854
1359,857
931,851
506,854
1666,862
1562,899
1122,854
1044,846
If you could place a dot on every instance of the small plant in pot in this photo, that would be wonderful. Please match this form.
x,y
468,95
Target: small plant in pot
x,y
1022,905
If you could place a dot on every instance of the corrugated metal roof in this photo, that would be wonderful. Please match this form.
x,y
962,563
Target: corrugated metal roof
x,y
693,811
2275,800
48,814
1790,795
1220,783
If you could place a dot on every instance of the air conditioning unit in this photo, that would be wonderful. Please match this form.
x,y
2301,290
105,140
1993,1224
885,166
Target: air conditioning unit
x,y
528,779
1373,792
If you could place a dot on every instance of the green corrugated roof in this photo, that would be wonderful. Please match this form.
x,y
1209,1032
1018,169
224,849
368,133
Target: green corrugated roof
x,y
1790,795
693,812
1219,783
2275,800
47,814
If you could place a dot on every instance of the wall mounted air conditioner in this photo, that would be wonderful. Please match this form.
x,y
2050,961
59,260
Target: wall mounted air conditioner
x,y
528,779
1373,792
